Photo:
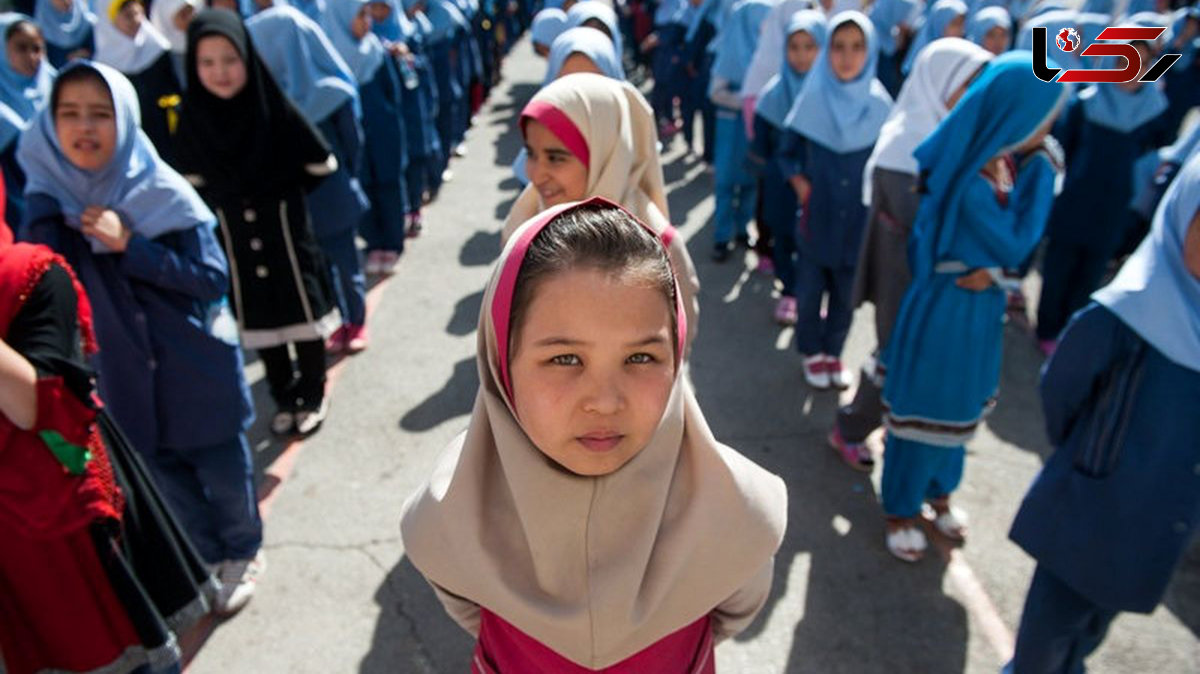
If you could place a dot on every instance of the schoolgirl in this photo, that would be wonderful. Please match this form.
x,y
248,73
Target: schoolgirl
x,y
979,214
171,18
893,26
661,539
945,18
547,25
832,128
735,190
1116,506
583,50
600,16
697,60
25,82
127,41
253,155
765,64
938,80
447,24
68,27
991,28
587,135
379,89
1103,132
170,370
804,37
301,57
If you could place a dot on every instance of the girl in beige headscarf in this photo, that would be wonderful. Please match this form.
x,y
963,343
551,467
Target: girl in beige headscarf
x,y
591,136
587,518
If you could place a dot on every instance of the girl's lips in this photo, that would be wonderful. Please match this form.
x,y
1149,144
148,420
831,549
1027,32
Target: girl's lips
x,y
600,443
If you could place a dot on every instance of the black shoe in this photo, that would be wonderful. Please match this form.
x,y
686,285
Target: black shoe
x,y
721,252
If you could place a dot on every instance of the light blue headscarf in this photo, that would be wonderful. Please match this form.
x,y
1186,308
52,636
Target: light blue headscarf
x,y
669,11
586,10
303,62
985,20
1098,6
313,9
842,116
737,40
149,196
887,15
547,25
1154,293
1111,106
937,19
446,19
696,19
589,42
365,56
21,97
781,91
1001,109
64,29
397,27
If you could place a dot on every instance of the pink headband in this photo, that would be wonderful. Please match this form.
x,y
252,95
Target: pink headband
x,y
560,125
506,287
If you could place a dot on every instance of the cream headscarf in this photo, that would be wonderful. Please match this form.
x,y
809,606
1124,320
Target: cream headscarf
x,y
618,127
595,568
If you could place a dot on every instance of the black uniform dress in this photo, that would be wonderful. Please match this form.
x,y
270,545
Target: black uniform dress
x,y
158,91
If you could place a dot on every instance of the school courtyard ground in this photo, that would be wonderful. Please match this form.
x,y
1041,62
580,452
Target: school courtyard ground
x,y
340,596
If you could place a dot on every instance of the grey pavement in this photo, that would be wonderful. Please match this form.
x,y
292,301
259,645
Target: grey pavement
x,y
339,595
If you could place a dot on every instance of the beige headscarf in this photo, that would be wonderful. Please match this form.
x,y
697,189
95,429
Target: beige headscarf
x,y
595,568
618,127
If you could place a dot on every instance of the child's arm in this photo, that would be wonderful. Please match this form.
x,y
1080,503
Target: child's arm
x,y
790,157
735,614
720,93
1084,355
464,612
760,143
189,261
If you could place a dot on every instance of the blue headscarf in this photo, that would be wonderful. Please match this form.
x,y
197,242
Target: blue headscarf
x,y
887,15
669,11
446,19
781,91
1001,109
738,39
842,116
985,20
705,12
547,25
938,18
1111,106
397,27
150,197
1154,293
313,9
64,29
1098,6
586,10
589,42
302,60
365,56
21,97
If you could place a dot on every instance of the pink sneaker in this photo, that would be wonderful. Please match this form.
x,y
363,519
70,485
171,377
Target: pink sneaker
x,y
785,311
415,225
356,338
336,343
853,454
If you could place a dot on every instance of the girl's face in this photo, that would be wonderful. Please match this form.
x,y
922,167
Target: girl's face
x,y
592,368
802,51
848,52
220,67
86,123
26,49
996,40
416,8
130,17
361,24
183,17
379,11
62,5
957,27
542,50
578,63
555,172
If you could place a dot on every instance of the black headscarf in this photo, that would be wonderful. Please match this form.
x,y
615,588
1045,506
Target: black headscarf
x,y
254,144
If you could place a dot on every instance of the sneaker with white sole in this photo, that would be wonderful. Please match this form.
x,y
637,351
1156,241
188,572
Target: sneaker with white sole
x,y
839,377
951,523
239,577
907,543
815,373
309,421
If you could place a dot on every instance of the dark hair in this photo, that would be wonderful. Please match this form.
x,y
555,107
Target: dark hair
x,y
79,73
602,237
843,26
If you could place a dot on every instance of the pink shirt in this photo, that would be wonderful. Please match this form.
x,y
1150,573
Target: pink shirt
x,y
504,649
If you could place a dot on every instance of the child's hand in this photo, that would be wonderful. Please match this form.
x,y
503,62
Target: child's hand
x,y
802,188
103,225
978,280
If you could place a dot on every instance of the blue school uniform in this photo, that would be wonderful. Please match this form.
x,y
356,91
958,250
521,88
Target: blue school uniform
x,y
170,367
832,128
886,16
1103,133
21,98
964,223
452,94
697,59
1117,504
65,32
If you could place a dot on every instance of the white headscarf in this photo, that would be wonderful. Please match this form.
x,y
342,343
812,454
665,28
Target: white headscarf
x,y
162,16
130,55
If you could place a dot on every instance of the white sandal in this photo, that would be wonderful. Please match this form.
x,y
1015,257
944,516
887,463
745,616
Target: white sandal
x,y
952,523
907,543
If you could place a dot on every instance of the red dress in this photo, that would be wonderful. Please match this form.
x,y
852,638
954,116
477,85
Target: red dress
x,y
504,649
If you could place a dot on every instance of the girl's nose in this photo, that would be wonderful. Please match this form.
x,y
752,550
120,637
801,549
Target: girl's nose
x,y
604,396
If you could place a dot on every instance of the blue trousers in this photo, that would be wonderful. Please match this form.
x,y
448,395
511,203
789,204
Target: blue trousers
x,y
348,278
1059,628
736,189
382,227
914,472
211,491
815,334
417,181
